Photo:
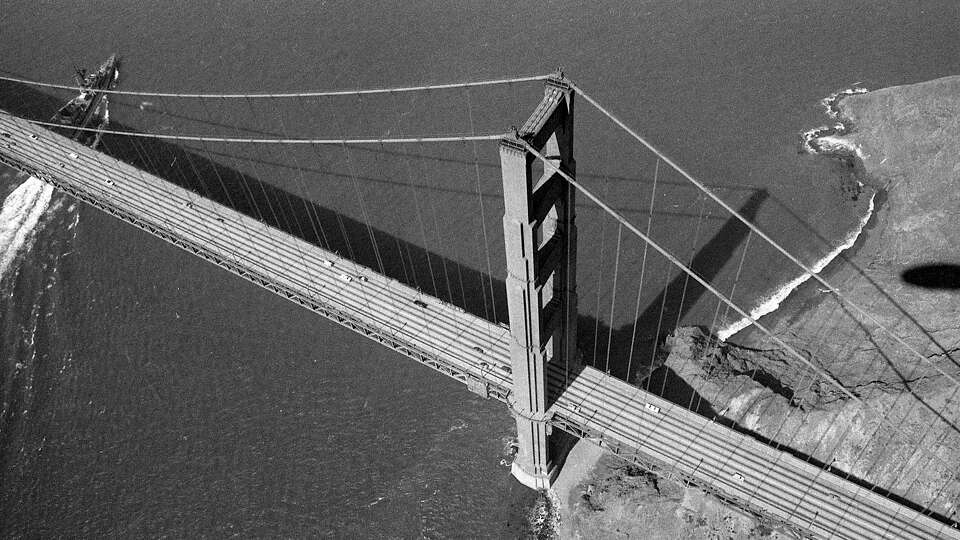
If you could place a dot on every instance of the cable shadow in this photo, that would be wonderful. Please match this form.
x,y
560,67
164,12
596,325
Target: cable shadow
x,y
673,302
347,177
403,261
906,383
305,219
406,262
899,499
397,153
845,258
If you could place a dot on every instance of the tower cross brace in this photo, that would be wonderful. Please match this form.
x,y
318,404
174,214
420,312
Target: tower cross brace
x,y
541,251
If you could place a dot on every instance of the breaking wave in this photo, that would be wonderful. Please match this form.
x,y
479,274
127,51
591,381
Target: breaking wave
x,y
772,302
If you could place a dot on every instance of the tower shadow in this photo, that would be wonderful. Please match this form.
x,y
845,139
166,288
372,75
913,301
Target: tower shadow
x,y
305,219
640,340
401,260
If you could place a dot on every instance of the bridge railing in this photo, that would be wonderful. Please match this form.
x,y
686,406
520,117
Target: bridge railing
x,y
675,274
407,184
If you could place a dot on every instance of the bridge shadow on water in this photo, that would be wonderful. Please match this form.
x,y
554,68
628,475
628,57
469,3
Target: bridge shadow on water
x,y
459,284
639,361
628,356
403,260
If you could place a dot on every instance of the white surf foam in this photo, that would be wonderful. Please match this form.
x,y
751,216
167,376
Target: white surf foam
x,y
830,102
772,302
21,212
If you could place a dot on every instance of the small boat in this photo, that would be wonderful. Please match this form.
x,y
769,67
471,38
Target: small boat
x,y
84,110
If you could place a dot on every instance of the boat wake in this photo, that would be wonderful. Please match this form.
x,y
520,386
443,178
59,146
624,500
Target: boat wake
x,y
19,216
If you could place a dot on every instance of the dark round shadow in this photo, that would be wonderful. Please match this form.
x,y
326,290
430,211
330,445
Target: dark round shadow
x,y
933,276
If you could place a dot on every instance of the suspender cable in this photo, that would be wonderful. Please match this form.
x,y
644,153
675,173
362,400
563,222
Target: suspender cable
x,y
423,231
360,199
762,235
443,259
410,182
613,298
667,282
242,181
630,227
304,195
298,182
716,313
643,269
483,214
603,238
789,349
686,279
282,192
285,224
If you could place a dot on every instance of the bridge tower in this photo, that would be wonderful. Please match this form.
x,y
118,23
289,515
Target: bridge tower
x,y
540,241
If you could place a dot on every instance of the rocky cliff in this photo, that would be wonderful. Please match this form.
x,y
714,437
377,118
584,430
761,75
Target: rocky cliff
x,y
893,340
891,334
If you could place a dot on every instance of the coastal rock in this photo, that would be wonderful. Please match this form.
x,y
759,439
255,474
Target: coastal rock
x,y
899,434
622,501
890,341
910,455
906,140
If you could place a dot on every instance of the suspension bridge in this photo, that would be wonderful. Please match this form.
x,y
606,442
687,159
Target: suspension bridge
x,y
168,181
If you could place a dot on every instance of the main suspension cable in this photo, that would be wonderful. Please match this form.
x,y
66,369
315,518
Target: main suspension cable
x,y
761,234
254,140
670,257
280,95
676,262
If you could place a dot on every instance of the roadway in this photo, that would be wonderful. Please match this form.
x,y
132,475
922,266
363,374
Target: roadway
x,y
634,424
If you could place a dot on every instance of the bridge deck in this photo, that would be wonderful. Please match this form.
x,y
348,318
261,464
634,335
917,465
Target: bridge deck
x,y
631,422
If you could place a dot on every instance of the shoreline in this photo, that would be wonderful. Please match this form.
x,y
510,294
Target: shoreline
x,y
772,302
818,140
821,141
908,222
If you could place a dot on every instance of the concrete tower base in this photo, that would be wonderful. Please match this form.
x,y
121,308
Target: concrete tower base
x,y
539,481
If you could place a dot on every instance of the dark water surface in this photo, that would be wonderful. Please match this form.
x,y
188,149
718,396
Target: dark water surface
x,y
149,393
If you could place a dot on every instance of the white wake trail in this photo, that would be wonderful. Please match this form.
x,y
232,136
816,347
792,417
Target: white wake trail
x,y
21,212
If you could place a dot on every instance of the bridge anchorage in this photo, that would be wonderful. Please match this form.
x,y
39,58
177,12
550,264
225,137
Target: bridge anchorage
x,y
540,240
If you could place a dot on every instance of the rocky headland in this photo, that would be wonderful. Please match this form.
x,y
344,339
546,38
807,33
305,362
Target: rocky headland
x,y
893,341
